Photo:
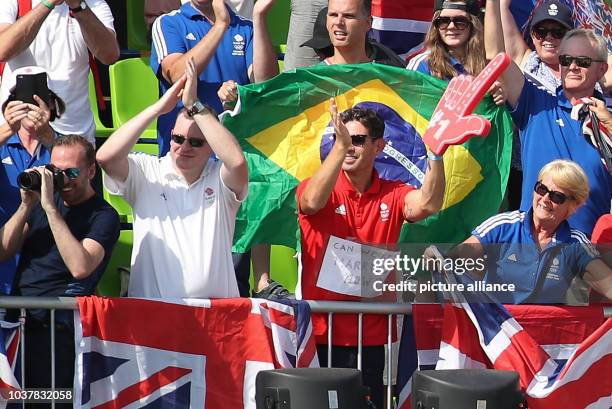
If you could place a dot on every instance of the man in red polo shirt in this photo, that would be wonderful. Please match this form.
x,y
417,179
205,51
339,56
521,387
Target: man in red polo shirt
x,y
346,203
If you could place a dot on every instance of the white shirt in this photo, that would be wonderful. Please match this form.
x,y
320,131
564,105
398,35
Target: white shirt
x,y
59,48
182,233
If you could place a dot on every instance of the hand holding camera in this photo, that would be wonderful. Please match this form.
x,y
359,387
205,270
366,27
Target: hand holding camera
x,y
39,184
14,113
32,179
39,113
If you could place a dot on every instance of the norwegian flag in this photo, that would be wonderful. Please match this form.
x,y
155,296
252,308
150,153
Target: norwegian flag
x,y
10,335
560,353
401,24
139,353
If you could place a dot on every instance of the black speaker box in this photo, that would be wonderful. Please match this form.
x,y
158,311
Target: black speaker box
x,y
310,388
466,389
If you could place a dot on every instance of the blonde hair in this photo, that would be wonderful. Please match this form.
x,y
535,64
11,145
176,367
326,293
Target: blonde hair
x,y
439,60
569,176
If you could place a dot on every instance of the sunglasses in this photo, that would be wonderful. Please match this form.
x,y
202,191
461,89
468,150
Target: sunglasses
x,y
581,61
541,32
554,196
357,140
71,173
194,142
461,23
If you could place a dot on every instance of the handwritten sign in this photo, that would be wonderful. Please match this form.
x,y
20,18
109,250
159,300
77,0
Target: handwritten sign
x,y
347,268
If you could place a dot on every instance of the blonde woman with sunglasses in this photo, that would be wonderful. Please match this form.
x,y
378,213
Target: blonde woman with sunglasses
x,y
537,251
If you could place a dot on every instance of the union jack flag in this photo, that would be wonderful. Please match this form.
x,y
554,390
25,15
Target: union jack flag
x,y
10,334
560,353
596,15
139,353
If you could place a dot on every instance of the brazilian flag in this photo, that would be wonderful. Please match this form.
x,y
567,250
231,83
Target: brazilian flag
x,y
284,128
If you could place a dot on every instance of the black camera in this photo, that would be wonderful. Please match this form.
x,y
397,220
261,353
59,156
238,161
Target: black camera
x,y
32,180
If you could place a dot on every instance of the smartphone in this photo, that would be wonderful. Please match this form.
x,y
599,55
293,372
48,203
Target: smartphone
x,y
28,85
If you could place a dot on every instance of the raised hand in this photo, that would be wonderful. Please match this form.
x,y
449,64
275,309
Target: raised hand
x,y
452,122
168,101
343,138
190,92
221,14
263,6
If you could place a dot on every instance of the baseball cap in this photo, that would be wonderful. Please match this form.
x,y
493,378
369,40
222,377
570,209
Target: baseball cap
x,y
320,36
470,6
553,10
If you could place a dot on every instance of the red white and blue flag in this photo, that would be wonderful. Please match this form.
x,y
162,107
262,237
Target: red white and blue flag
x,y
563,355
139,353
10,334
401,24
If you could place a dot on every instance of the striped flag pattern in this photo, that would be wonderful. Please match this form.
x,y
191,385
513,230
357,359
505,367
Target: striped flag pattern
x,y
560,353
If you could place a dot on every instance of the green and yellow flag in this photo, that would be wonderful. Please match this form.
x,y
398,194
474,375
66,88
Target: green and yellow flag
x,y
283,126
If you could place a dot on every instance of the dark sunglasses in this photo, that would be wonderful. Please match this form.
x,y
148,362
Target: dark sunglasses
x,y
541,32
554,196
71,173
357,140
194,142
581,61
461,23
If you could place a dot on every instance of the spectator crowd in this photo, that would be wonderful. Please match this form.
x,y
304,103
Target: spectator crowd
x,y
57,233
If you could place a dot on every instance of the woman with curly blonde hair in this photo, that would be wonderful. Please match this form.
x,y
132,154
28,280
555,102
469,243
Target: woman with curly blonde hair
x,y
454,42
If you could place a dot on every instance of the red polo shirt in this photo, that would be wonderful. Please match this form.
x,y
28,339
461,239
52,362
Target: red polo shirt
x,y
375,218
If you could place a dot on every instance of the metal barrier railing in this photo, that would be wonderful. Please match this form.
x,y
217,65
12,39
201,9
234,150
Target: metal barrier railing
x,y
329,307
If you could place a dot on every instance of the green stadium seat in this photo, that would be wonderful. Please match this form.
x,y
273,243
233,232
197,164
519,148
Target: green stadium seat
x,y
278,22
136,28
283,267
133,87
101,130
110,283
120,205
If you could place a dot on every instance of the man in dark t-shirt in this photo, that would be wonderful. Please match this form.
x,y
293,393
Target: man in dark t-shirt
x,y
65,237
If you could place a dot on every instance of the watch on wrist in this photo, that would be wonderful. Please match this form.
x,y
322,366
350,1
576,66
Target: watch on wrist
x,y
82,6
198,107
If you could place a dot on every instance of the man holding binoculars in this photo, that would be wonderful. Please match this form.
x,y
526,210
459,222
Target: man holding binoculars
x,y
65,233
